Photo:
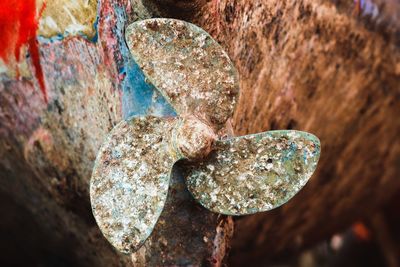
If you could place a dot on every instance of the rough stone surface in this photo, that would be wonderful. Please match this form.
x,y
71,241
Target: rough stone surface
x,y
254,173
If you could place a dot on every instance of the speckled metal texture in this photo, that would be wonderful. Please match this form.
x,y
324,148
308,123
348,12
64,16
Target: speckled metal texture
x,y
254,173
189,68
242,175
130,180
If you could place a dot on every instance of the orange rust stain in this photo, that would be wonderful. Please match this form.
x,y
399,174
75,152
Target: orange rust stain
x,y
18,26
361,231
357,7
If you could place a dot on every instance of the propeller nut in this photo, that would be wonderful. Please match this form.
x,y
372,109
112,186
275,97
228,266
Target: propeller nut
x,y
194,138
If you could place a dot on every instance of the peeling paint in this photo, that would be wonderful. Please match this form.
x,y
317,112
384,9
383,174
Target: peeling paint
x,y
19,23
139,96
68,17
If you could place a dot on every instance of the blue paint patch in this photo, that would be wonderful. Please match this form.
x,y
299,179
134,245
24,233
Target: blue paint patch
x,y
369,8
95,26
139,98
290,152
305,156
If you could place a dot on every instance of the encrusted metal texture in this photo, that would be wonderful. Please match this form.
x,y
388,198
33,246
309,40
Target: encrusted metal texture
x,y
193,139
188,67
254,173
181,235
130,180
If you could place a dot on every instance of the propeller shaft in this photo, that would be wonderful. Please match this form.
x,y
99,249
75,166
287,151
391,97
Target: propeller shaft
x,y
193,138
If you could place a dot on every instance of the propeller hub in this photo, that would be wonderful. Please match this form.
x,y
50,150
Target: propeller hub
x,y
194,138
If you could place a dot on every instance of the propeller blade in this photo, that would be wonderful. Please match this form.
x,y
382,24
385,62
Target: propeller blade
x,y
130,180
254,173
187,66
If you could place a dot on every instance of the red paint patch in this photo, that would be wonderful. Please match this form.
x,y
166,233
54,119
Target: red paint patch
x,y
18,26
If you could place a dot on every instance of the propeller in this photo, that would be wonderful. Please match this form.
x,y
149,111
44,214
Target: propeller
x,y
228,175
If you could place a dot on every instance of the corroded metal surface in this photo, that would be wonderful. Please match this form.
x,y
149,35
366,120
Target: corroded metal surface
x,y
132,172
254,173
243,175
181,235
130,180
188,67
193,139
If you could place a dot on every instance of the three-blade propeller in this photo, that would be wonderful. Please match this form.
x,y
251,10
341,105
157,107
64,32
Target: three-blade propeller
x,y
233,176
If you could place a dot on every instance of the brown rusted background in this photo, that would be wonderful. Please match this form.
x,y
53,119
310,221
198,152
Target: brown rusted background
x,y
327,68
